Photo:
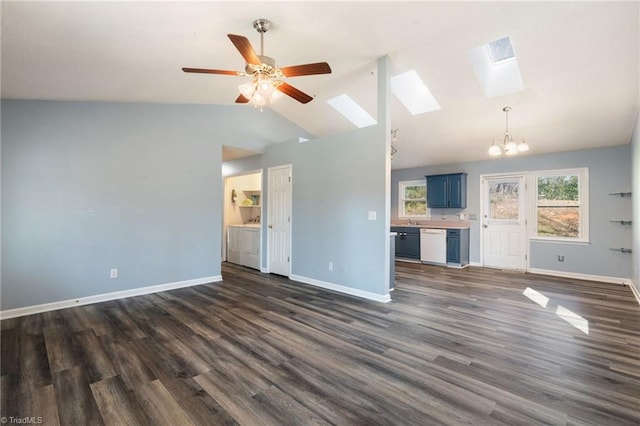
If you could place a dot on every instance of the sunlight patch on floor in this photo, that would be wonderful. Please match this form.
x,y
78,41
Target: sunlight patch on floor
x,y
566,314
572,318
536,296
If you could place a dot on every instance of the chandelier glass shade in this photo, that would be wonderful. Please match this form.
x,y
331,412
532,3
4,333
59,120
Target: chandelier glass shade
x,y
509,146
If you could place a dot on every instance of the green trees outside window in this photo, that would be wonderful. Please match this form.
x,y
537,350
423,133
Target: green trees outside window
x,y
558,206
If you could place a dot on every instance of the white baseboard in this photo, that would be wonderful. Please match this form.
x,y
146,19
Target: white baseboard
x,y
264,270
45,307
342,289
578,276
635,291
475,264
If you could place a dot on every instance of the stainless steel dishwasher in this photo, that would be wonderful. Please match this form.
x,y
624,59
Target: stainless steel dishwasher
x,y
433,246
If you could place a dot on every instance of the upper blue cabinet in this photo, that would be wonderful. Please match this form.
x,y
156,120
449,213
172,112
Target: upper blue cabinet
x,y
447,191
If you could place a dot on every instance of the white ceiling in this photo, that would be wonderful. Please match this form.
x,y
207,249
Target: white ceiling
x,y
579,62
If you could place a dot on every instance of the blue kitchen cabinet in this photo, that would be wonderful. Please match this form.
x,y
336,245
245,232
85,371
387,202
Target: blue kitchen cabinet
x,y
457,247
399,241
407,242
447,191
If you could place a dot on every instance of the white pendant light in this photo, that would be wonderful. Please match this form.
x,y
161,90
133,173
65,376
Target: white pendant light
x,y
509,145
495,150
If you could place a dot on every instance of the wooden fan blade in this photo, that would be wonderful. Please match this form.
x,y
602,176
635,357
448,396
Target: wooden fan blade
x,y
241,99
296,94
208,71
306,69
244,47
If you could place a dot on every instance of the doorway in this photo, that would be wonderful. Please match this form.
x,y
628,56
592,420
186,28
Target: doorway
x,y
504,222
279,184
242,209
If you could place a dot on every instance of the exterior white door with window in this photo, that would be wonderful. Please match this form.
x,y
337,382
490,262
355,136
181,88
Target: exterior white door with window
x,y
504,226
279,220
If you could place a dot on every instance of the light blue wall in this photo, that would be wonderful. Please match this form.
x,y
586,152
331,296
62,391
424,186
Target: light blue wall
x,y
87,187
336,181
242,165
609,171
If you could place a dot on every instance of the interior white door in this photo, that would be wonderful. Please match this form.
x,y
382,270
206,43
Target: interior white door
x,y
504,230
279,220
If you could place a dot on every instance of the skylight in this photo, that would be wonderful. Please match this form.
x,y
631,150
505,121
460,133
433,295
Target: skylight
x,y
496,68
500,49
352,111
413,93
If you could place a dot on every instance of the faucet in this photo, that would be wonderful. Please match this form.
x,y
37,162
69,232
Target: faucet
x,y
409,222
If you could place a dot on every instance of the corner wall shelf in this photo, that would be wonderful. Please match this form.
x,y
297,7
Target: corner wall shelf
x,y
621,250
621,194
621,222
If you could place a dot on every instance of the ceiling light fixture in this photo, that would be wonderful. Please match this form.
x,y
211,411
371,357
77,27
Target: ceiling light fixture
x,y
509,145
394,139
262,90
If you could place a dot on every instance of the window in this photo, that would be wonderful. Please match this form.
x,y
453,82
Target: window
x,y
412,199
561,205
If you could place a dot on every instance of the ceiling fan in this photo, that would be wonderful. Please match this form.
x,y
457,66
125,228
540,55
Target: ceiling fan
x,y
267,84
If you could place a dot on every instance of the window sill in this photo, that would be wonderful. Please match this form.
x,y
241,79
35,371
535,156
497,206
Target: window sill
x,y
560,241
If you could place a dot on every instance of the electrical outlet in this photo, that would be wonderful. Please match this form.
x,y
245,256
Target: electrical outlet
x,y
371,215
113,273
331,266
561,258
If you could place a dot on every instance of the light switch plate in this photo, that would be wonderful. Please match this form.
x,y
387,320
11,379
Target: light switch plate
x,y
372,215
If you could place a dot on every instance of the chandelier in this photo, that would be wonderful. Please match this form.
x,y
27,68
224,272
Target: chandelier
x,y
509,145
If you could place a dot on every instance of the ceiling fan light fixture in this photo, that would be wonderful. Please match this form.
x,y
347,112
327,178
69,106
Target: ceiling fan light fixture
x,y
509,145
247,89
275,95
267,85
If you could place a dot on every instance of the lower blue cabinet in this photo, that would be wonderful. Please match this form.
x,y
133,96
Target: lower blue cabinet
x,y
407,242
457,247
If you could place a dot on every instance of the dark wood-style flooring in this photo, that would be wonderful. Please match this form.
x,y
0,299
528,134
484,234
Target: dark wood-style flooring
x,y
453,347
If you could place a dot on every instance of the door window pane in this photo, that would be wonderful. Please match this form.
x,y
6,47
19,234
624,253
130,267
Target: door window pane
x,y
504,201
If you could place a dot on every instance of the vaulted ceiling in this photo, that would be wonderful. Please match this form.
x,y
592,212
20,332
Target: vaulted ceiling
x,y
579,63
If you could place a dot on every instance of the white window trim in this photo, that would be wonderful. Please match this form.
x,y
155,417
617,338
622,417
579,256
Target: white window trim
x,y
583,182
401,185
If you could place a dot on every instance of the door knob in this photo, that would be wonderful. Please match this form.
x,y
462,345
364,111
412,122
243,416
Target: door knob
x,y
485,226
270,226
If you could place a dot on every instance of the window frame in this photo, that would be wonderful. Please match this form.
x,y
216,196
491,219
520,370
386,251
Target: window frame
x,y
583,207
401,191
